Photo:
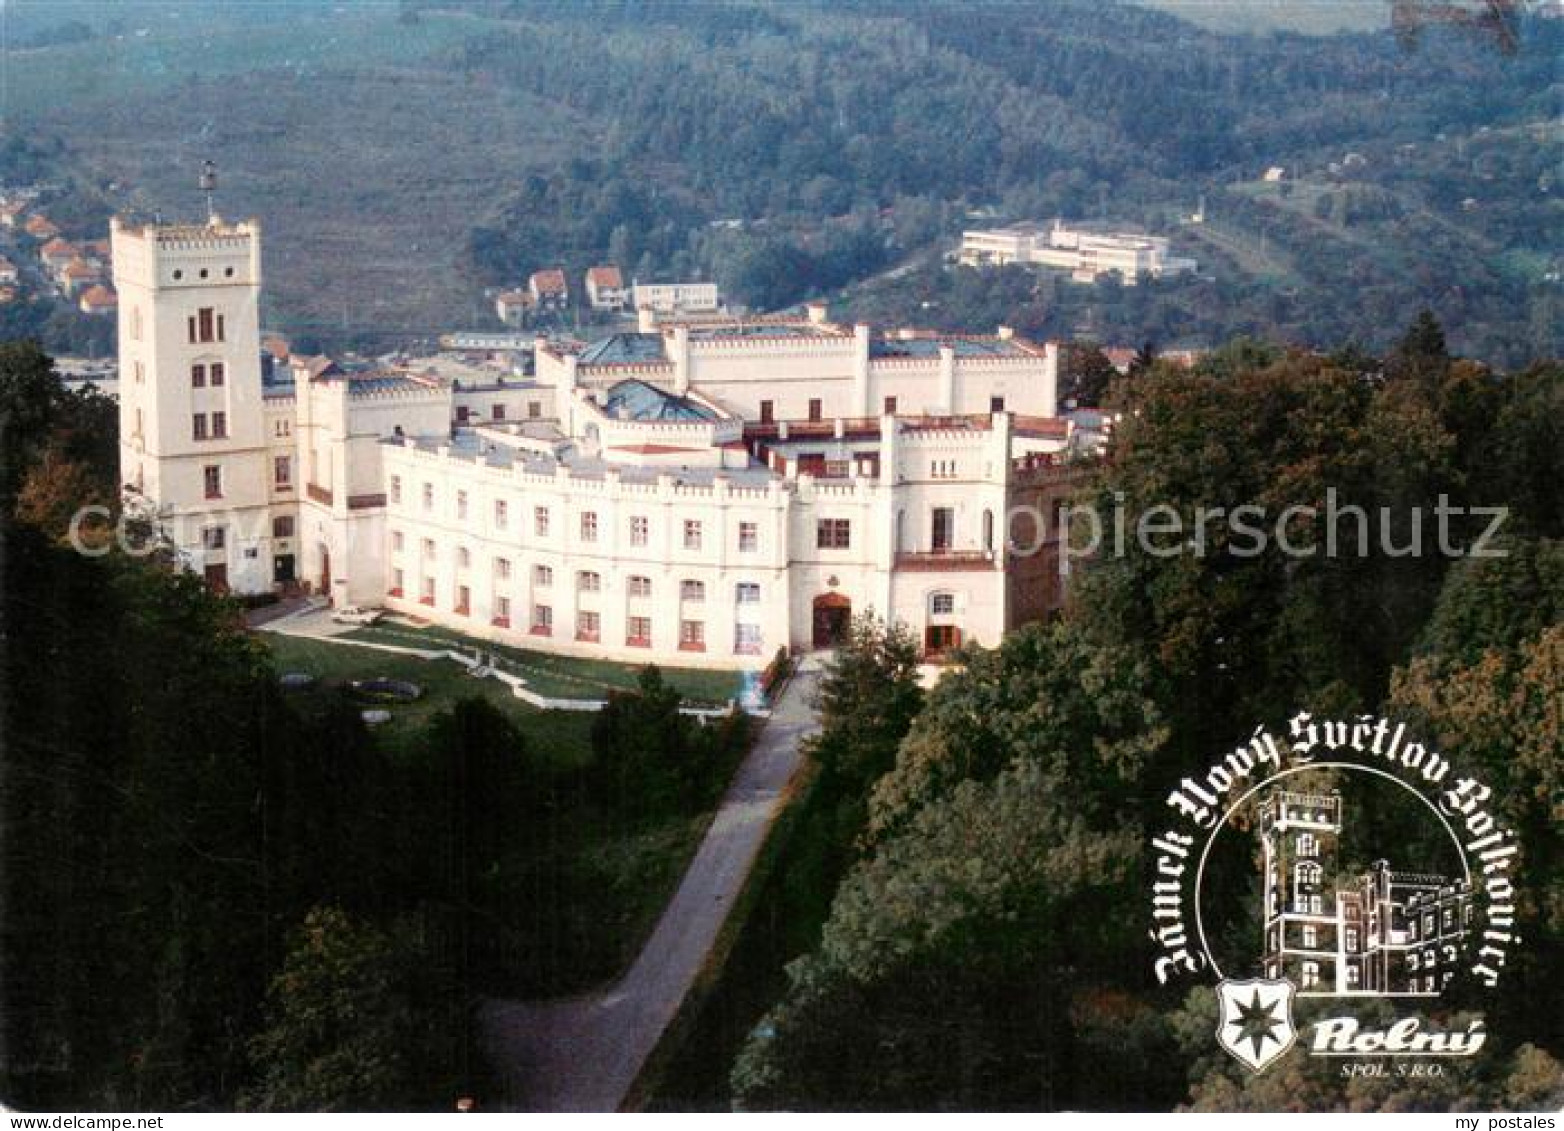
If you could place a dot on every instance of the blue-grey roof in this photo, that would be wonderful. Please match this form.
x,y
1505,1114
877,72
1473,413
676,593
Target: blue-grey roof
x,y
636,400
930,347
621,349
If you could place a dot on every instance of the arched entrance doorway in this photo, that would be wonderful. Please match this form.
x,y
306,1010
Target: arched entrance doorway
x,y
833,613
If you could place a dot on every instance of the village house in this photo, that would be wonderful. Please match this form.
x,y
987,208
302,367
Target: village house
x,y
549,289
605,289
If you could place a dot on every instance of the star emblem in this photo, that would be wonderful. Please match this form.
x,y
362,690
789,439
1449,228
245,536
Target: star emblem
x,y
1255,1022
1258,1022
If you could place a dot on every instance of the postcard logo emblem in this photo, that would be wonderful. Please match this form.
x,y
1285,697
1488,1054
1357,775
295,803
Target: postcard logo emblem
x,y
1274,882
1256,1019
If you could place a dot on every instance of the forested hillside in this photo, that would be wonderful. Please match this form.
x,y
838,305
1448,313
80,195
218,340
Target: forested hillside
x,y
987,947
463,145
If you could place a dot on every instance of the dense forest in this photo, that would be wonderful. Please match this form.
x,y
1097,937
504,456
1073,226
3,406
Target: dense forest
x,y
788,151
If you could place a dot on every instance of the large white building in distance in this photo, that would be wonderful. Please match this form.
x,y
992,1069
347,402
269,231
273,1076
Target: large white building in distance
x,y
699,493
1085,251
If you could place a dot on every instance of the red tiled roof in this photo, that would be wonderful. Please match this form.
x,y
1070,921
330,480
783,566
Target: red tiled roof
x,y
81,269
57,247
41,226
100,296
605,277
515,298
551,281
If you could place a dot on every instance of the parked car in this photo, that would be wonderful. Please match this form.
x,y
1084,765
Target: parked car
x,y
356,614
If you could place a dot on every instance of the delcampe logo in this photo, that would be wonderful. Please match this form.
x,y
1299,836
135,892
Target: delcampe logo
x,y
1344,870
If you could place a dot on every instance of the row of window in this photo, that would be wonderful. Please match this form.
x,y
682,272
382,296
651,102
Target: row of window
x,y
640,528
213,427
747,638
816,408
830,533
590,581
466,415
216,537
212,374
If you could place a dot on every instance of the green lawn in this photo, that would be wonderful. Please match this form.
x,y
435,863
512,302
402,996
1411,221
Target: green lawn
x,y
561,677
583,886
563,736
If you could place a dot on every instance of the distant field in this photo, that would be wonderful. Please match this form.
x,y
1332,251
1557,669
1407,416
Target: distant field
x,y
1258,17
368,161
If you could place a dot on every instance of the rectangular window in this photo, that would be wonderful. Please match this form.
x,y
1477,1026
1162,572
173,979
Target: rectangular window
x,y
461,504
463,600
397,579
692,534
542,576
534,409
502,568
214,537
942,604
499,412
426,591
890,406
398,541
463,557
833,534
589,526
589,582
218,374
767,411
638,632
747,593
282,472
692,635
816,410
692,590
640,586
586,626
746,639
198,376
502,610
396,489
462,413
996,404
501,513
428,496
942,529
198,426
749,537
219,425
212,475
540,521
282,526
428,549
542,619
640,530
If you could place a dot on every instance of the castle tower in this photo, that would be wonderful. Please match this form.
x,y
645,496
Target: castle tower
x,y
192,436
1299,836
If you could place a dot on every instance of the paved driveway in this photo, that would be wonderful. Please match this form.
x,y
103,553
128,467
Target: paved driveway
x,y
583,1054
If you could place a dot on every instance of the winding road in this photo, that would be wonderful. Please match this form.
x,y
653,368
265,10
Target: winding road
x,y
584,1053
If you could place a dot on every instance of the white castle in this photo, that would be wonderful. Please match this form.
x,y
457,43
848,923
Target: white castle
x,y
700,492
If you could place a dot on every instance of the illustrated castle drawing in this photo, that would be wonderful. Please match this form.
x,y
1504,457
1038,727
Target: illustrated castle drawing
x,y
699,491
1379,933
